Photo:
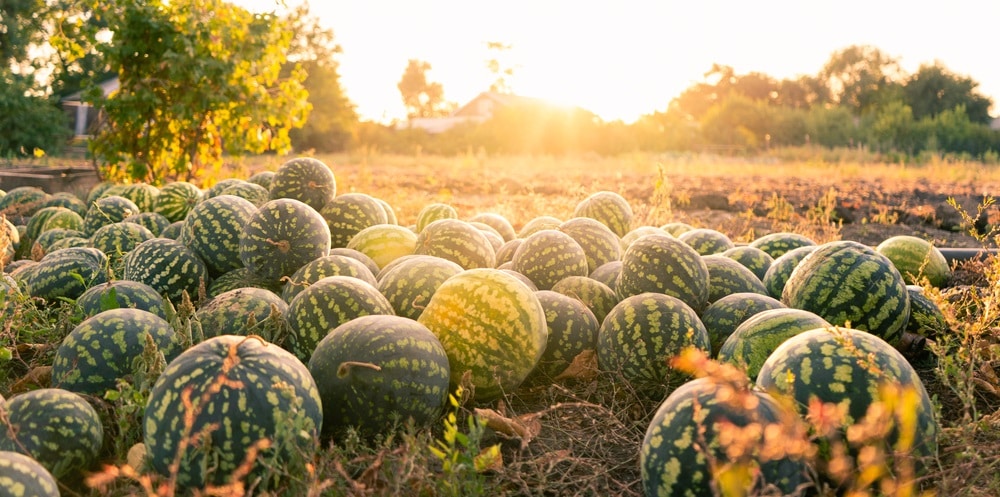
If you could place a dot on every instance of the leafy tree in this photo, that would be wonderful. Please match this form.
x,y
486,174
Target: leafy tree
x,y
831,127
333,120
803,92
199,78
861,77
892,127
29,121
499,67
933,89
422,98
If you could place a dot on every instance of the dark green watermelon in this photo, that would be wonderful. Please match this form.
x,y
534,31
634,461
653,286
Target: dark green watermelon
x,y
548,256
572,330
108,210
68,273
664,264
153,221
168,266
408,283
778,244
350,213
213,228
597,296
282,236
305,179
755,259
456,241
609,208
755,339
176,199
241,278
434,212
599,243
608,274
706,241
331,265
24,476
497,222
244,311
723,316
116,240
782,267
121,294
538,224
727,276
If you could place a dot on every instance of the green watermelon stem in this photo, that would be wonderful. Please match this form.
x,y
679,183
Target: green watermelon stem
x,y
345,367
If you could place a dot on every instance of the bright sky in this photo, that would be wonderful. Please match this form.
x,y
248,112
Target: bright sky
x,y
626,58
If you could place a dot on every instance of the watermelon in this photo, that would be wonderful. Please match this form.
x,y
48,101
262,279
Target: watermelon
x,y
496,241
926,318
753,258
244,311
68,273
548,256
706,241
727,276
10,239
213,228
434,212
168,266
153,221
847,282
390,213
687,444
597,296
538,224
23,475
67,200
638,233
121,294
497,222
100,350
331,265
609,208
456,241
506,251
492,327
608,273
22,202
143,195
60,218
756,338
848,368
359,256
262,178
723,316
118,239
384,243
99,191
376,370
916,259
254,193
55,427
664,264
409,282
778,244
220,186
176,199
282,236
232,392
305,179
572,330
782,267
350,213
240,278
675,228
642,333
599,243
326,304
107,210
172,231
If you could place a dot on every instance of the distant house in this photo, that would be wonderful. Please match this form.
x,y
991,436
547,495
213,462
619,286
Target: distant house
x,y
477,110
995,124
83,117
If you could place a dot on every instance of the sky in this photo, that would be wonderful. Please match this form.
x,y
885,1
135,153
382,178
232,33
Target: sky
x,y
627,58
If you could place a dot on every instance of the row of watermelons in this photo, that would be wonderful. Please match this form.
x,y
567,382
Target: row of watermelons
x,y
321,311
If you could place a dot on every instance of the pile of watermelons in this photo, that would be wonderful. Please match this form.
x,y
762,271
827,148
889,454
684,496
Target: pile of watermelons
x,y
319,311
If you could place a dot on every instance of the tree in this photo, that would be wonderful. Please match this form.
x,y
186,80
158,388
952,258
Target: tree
x,y
333,119
421,97
861,77
933,89
198,78
501,68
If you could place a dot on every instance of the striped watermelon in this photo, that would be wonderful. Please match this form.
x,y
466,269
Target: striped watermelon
x,y
55,427
664,264
434,212
706,241
506,251
116,240
233,392
10,239
492,236
608,273
638,233
723,316
384,243
727,276
642,333
497,222
219,186
66,219
597,296
548,256
23,475
305,179
675,228
244,311
67,200
100,350
916,258
121,294
254,193
241,278
331,265
782,267
491,325
409,282
153,221
756,338
687,443
213,228
572,330
350,213
67,273
168,266
173,231
926,318
374,371
143,195
281,236
778,244
456,241
599,243
609,208
326,304
848,368
22,202
390,213
107,210
847,282
262,178
538,224
358,256
753,258
176,200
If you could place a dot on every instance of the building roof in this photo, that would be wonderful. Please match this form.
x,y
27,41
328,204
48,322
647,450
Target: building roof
x,y
108,86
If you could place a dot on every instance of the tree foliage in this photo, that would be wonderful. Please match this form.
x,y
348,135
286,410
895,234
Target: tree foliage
x,y
199,78
421,97
933,89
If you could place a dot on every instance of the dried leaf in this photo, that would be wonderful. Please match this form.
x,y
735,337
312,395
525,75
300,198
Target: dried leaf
x,y
583,367
525,427
39,377
489,459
